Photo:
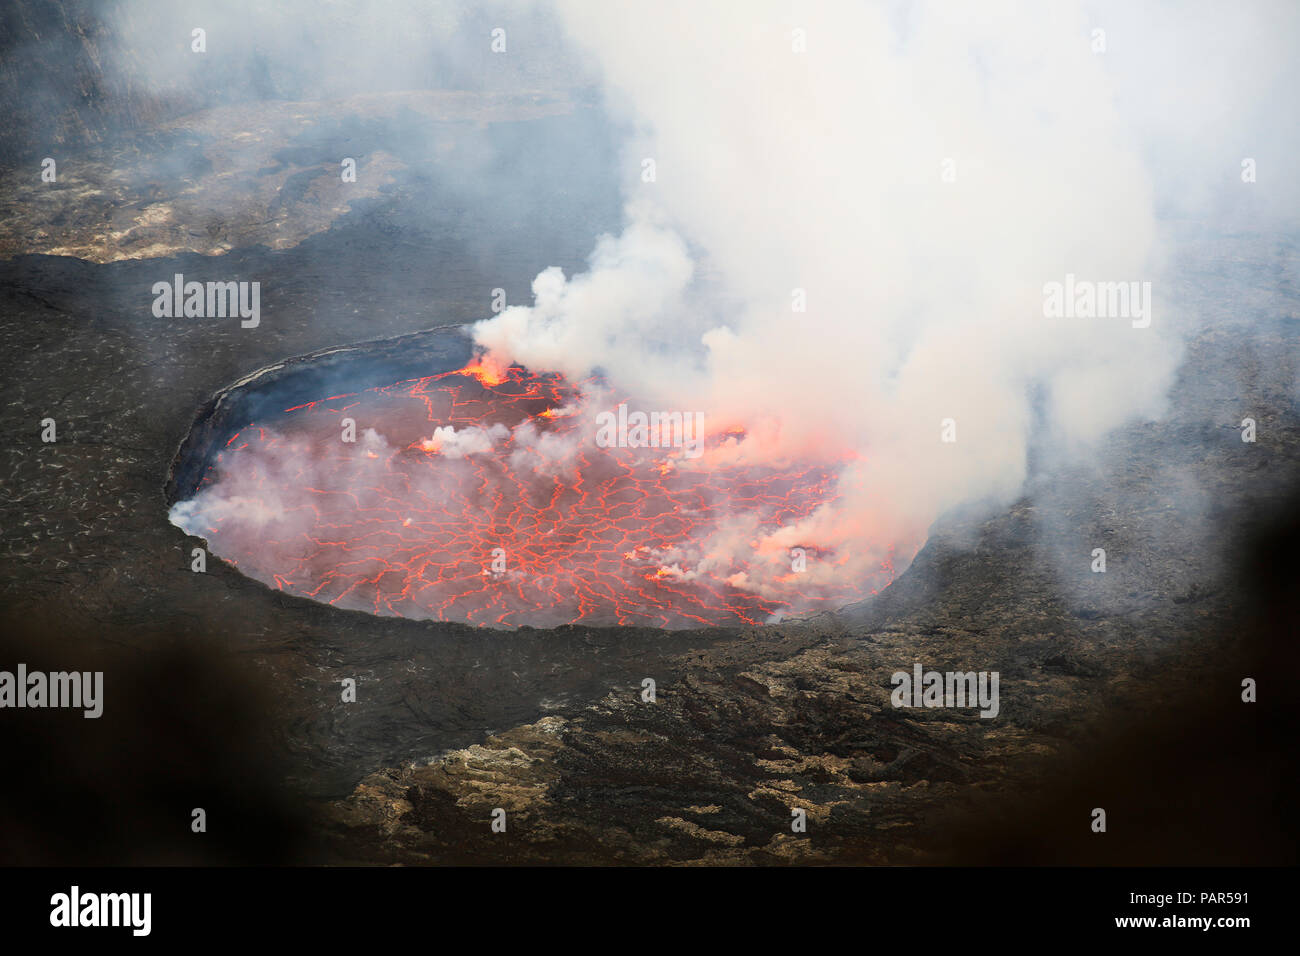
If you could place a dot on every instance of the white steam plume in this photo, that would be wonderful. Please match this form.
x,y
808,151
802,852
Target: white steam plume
x,y
920,174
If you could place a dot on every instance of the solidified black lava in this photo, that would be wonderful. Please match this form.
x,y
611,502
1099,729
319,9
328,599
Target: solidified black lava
x,y
303,378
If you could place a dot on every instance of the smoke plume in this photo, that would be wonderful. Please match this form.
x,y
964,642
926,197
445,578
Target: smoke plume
x,y
844,222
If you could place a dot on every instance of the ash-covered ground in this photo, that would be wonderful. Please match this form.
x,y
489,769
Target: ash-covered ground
x,y
1118,690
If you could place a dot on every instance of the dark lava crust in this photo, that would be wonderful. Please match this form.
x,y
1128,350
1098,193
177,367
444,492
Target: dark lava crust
x,y
264,394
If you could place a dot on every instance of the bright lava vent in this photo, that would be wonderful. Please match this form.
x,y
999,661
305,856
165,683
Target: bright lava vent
x,y
479,496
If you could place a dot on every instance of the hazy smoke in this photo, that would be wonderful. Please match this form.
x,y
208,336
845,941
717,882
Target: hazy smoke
x,y
841,218
822,174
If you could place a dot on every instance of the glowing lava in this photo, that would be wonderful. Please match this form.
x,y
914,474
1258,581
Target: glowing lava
x,y
507,514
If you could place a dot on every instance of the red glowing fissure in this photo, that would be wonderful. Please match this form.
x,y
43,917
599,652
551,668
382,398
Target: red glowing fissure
x,y
510,536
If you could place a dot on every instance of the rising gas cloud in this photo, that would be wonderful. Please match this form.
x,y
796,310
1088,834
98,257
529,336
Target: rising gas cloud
x,y
843,221
840,224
